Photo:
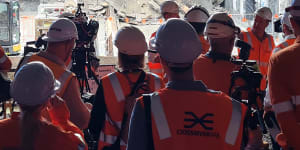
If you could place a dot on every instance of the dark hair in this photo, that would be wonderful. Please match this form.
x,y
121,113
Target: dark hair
x,y
198,7
199,27
131,62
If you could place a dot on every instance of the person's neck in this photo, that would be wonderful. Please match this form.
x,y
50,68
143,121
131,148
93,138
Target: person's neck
x,y
184,76
259,35
58,52
223,50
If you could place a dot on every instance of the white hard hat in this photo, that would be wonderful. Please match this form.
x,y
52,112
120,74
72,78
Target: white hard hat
x,y
61,30
131,41
294,9
169,7
286,20
265,13
197,14
34,84
177,42
220,25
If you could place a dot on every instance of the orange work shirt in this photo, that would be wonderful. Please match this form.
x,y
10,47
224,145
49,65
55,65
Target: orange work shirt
x,y
216,75
284,81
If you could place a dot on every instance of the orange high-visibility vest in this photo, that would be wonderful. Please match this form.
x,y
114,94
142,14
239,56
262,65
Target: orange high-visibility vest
x,y
284,88
156,68
116,87
5,63
196,120
261,52
284,44
60,73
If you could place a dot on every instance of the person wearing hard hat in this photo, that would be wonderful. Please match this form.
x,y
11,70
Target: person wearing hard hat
x,y
290,38
284,87
34,89
221,32
288,33
262,43
197,16
168,9
185,114
61,39
112,107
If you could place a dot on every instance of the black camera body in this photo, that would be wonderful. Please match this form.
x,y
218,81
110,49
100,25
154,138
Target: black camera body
x,y
251,86
84,52
278,26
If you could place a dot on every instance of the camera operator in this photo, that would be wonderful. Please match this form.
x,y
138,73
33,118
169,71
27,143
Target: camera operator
x,y
284,86
221,32
61,40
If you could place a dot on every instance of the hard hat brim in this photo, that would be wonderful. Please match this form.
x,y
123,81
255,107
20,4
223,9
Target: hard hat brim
x,y
48,39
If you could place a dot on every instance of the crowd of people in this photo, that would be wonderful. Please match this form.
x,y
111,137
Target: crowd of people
x,y
184,103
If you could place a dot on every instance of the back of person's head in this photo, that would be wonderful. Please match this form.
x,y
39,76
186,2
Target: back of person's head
x,y
221,30
178,44
132,45
294,11
286,23
197,16
32,88
169,9
61,30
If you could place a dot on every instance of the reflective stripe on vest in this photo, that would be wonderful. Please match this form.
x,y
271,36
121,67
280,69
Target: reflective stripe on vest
x,y
249,38
81,146
110,139
282,107
276,49
116,87
116,123
296,100
156,81
263,64
235,123
160,117
285,44
3,58
63,79
270,42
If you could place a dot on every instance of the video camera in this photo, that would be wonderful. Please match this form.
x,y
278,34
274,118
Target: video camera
x,y
35,46
278,26
250,85
83,55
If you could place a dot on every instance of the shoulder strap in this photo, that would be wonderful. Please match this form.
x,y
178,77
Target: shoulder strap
x,y
147,104
140,80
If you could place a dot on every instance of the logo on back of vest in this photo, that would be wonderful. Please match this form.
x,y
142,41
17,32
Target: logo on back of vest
x,y
193,121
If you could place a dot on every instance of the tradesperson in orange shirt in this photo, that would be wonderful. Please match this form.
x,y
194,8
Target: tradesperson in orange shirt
x,y
216,75
284,83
